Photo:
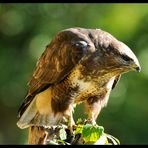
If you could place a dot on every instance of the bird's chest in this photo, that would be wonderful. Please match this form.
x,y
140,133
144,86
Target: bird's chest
x,y
77,87
87,86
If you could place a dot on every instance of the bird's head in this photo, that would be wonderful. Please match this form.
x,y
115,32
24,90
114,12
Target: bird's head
x,y
103,51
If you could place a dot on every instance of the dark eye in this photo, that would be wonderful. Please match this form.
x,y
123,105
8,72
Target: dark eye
x,y
78,50
81,44
126,58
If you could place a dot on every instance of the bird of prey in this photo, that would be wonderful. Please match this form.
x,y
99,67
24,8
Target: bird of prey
x,y
79,65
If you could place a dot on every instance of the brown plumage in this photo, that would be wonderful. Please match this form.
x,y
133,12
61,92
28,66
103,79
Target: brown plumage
x,y
79,65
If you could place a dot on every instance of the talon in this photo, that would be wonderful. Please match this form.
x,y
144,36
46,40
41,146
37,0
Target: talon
x,y
91,121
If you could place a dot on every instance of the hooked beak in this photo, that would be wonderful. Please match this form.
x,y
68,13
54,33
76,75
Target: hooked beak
x,y
137,68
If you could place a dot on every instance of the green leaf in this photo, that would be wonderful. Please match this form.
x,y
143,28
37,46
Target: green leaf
x,y
62,142
102,140
53,143
92,133
62,134
79,129
79,121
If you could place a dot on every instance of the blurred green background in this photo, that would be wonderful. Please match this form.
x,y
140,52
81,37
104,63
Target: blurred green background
x,y
25,30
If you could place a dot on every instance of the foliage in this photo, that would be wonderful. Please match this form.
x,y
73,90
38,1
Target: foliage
x,y
85,134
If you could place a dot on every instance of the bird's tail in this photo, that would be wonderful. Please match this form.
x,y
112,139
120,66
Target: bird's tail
x,y
38,116
39,112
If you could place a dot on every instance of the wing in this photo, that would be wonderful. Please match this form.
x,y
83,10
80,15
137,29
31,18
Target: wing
x,y
56,62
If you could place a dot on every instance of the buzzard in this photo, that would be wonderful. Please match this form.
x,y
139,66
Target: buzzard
x,y
79,65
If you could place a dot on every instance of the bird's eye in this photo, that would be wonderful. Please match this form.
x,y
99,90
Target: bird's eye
x,y
126,58
79,43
